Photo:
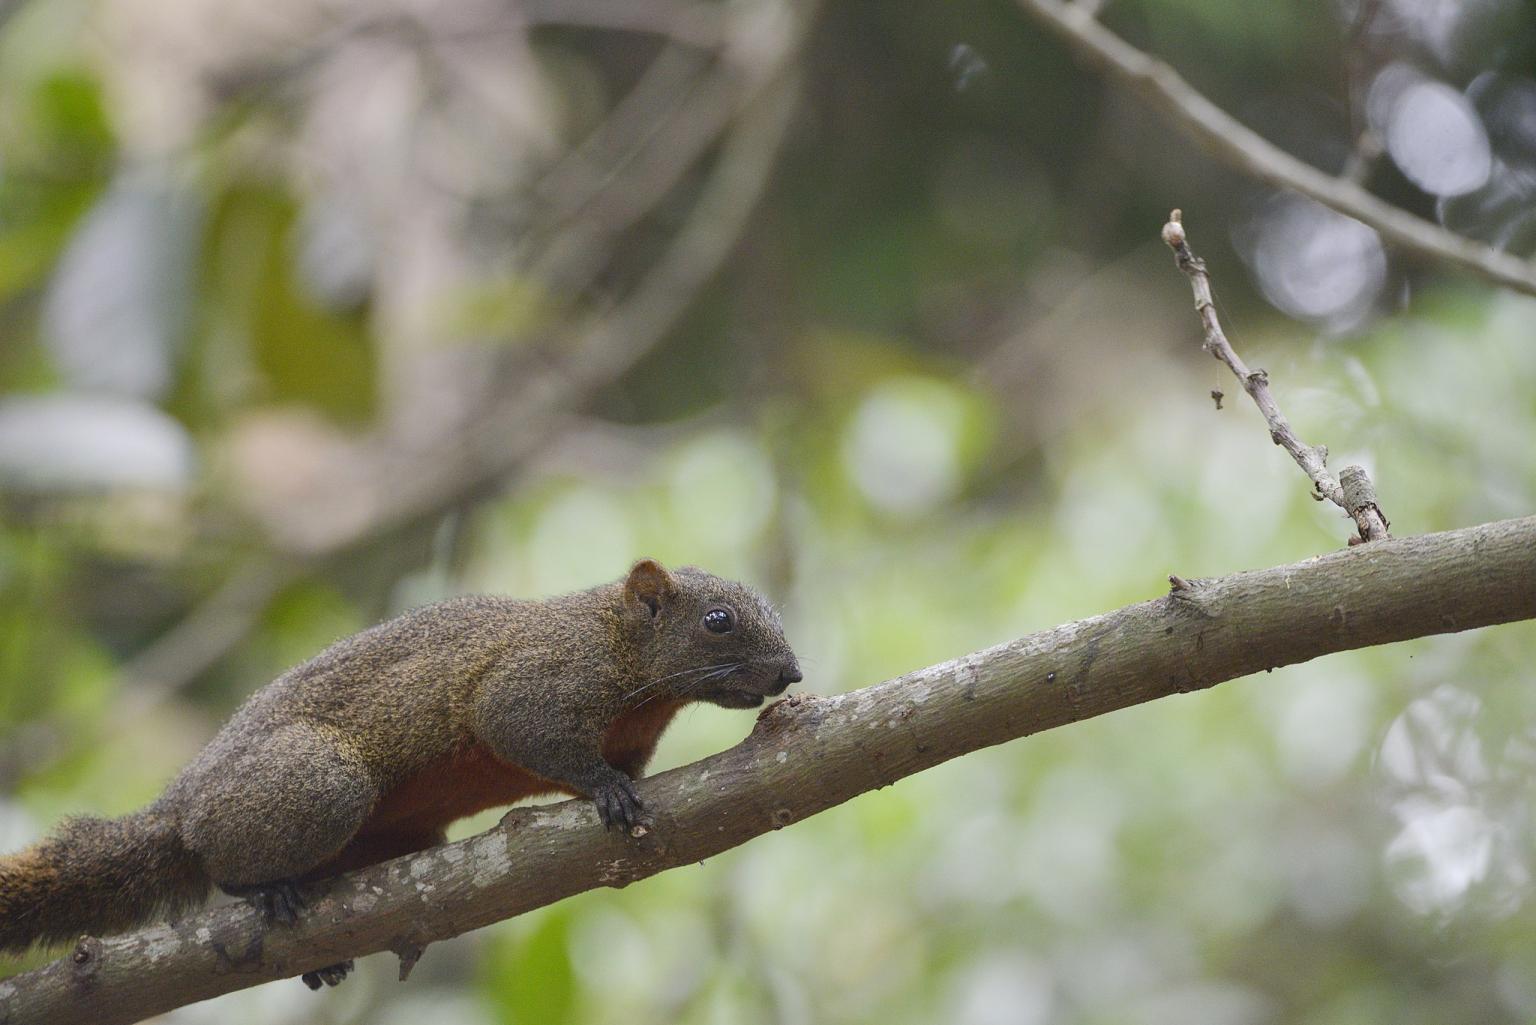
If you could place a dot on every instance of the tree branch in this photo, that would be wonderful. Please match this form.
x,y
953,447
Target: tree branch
x,y
1355,495
808,754
1247,151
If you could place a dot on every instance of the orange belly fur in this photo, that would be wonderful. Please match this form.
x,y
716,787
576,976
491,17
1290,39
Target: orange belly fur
x,y
471,780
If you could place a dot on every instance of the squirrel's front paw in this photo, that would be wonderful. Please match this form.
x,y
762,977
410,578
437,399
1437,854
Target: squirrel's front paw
x,y
618,804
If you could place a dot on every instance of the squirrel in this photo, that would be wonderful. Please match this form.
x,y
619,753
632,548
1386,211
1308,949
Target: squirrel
x,y
370,749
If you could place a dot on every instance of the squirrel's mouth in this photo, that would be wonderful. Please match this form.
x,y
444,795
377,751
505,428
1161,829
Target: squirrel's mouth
x,y
749,688
734,699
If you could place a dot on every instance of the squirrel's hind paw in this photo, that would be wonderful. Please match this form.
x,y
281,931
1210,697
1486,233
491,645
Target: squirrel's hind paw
x,y
330,975
278,901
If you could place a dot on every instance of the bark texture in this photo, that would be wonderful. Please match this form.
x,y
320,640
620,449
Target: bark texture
x,y
807,754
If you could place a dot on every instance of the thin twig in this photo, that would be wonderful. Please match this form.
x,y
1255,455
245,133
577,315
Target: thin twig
x,y
592,165
1360,499
1247,151
684,122
1368,147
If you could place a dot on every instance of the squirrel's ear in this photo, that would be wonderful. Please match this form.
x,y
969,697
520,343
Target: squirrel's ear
x,y
649,584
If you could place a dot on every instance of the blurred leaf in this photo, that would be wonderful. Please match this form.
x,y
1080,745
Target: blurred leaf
x,y
79,441
505,310
120,299
531,980
55,155
335,254
304,619
67,112
722,493
305,352
31,237
911,441
48,660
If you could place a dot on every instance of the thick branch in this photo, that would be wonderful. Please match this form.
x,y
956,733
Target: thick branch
x,y
1247,151
809,754
1352,490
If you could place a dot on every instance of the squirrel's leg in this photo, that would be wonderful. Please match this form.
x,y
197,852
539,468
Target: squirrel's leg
x,y
370,848
266,814
580,766
366,849
561,744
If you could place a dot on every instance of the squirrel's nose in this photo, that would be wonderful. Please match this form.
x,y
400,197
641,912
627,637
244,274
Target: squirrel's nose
x,y
789,673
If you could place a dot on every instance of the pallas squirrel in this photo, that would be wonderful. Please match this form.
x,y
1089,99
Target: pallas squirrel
x,y
370,749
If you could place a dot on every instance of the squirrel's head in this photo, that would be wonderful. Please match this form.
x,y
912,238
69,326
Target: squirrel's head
x,y
706,638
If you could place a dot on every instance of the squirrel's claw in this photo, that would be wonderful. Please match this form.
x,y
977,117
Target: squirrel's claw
x,y
618,805
330,975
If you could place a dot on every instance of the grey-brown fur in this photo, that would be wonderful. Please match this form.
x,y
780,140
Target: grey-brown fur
x,y
299,768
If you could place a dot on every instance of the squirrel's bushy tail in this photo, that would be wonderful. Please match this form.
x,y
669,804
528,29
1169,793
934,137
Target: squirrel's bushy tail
x,y
97,876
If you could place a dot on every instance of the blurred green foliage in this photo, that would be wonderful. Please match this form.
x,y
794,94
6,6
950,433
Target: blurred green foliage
x,y
947,390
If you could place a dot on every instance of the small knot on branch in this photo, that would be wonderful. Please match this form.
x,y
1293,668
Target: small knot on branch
x,y
86,957
1186,595
1181,589
409,952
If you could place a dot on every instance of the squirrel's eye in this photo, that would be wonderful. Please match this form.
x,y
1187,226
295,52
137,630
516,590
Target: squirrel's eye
x,y
718,621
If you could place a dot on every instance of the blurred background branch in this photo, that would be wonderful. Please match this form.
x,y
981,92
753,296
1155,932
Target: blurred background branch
x,y
1247,151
